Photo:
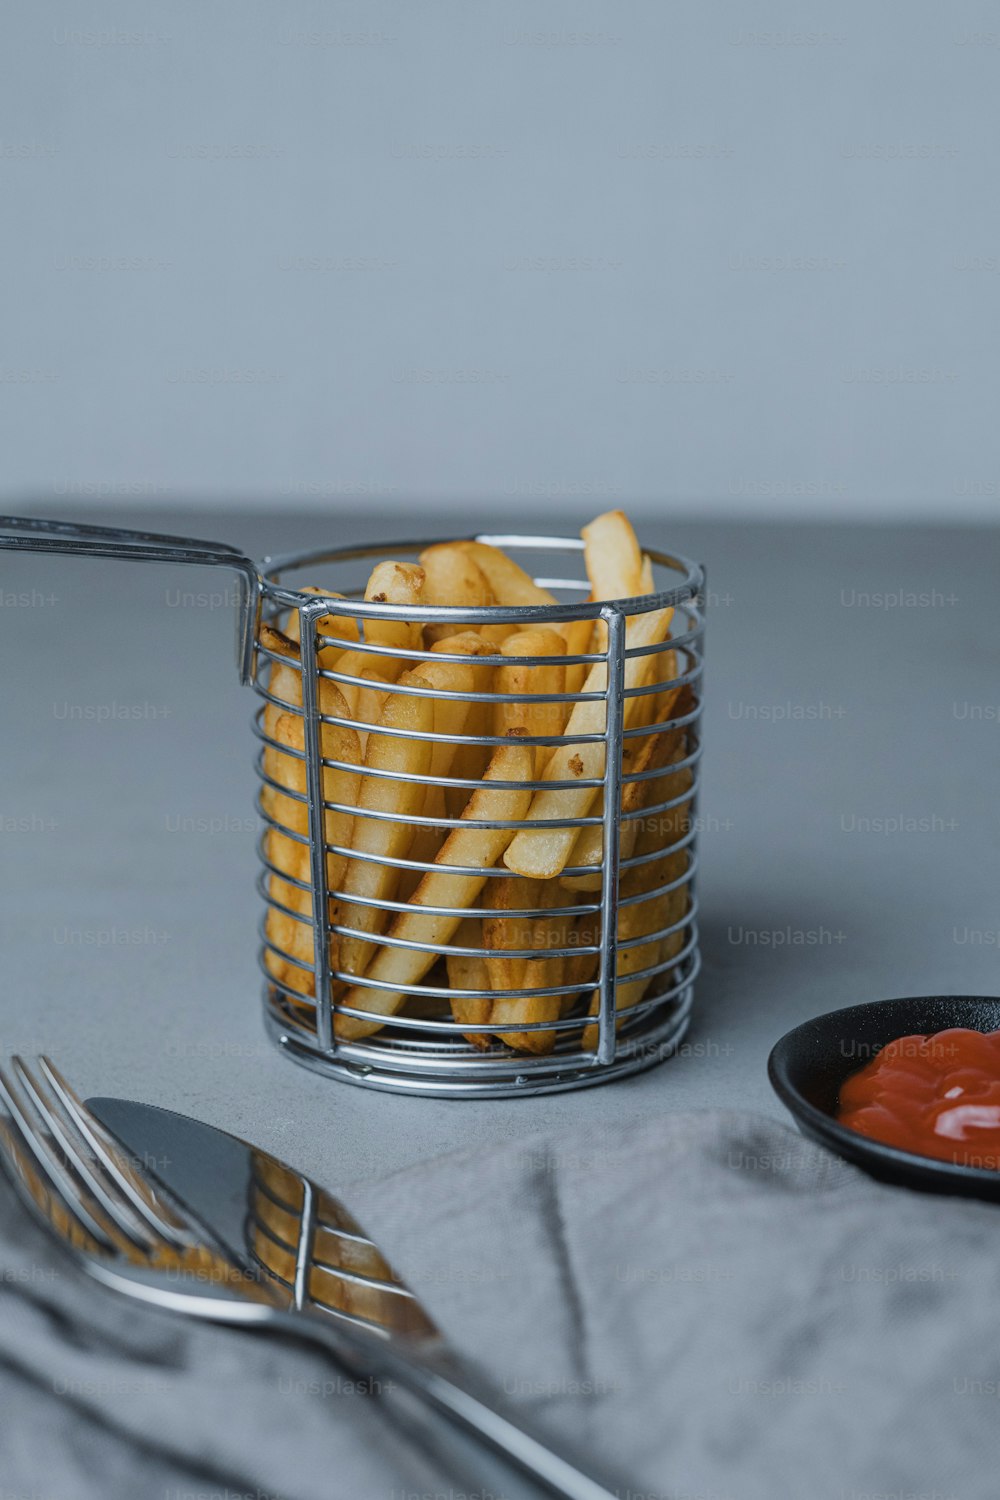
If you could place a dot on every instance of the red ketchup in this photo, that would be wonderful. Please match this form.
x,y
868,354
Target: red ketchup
x,y
936,1095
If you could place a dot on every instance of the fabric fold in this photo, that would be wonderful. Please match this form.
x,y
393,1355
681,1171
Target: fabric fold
x,y
716,1306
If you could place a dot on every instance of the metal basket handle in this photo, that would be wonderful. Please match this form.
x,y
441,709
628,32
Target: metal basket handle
x,y
73,538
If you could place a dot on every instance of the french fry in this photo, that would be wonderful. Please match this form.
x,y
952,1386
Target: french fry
x,y
615,564
400,584
617,570
294,933
478,847
288,854
359,665
533,719
470,762
643,918
658,831
577,636
441,716
544,852
427,840
513,896
392,582
540,934
674,701
470,759
465,973
645,704
286,930
637,921
556,934
344,627
377,841
289,771
288,689
452,577
613,556
369,703
457,716
450,714
511,585
582,967
284,681
566,934
649,752
589,846
464,643
580,970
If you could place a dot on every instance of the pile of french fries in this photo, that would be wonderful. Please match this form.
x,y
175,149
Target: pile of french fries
x,y
516,945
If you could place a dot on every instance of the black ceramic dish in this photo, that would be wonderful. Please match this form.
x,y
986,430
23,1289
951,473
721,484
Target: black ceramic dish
x,y
808,1065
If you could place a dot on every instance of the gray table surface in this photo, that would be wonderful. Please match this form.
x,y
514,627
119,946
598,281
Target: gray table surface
x,y
849,847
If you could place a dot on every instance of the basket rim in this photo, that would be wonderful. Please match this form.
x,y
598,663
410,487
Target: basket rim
x,y
275,590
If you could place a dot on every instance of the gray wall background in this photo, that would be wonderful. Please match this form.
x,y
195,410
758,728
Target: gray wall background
x,y
694,255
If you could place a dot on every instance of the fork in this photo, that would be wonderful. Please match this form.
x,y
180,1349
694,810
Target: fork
x,y
103,1209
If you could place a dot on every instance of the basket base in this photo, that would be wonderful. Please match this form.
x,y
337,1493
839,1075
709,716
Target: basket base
x,y
505,1077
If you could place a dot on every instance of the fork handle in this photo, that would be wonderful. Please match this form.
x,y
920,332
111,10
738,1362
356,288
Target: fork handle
x,y
460,1406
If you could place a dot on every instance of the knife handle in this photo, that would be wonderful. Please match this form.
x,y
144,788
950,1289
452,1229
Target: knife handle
x,y
503,1448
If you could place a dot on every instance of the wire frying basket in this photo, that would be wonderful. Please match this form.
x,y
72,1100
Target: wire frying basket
x,y
439,968
479,847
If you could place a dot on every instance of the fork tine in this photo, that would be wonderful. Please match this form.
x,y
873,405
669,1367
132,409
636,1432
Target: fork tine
x,y
115,1163
29,1183
113,1204
60,1183
72,1198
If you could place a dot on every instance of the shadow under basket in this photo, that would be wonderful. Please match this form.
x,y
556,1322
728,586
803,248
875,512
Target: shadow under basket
x,y
403,751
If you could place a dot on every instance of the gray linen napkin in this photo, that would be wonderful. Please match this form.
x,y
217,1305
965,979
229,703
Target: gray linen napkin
x,y
722,1310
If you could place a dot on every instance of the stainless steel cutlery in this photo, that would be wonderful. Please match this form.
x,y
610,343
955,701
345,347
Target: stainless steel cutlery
x,y
169,1210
